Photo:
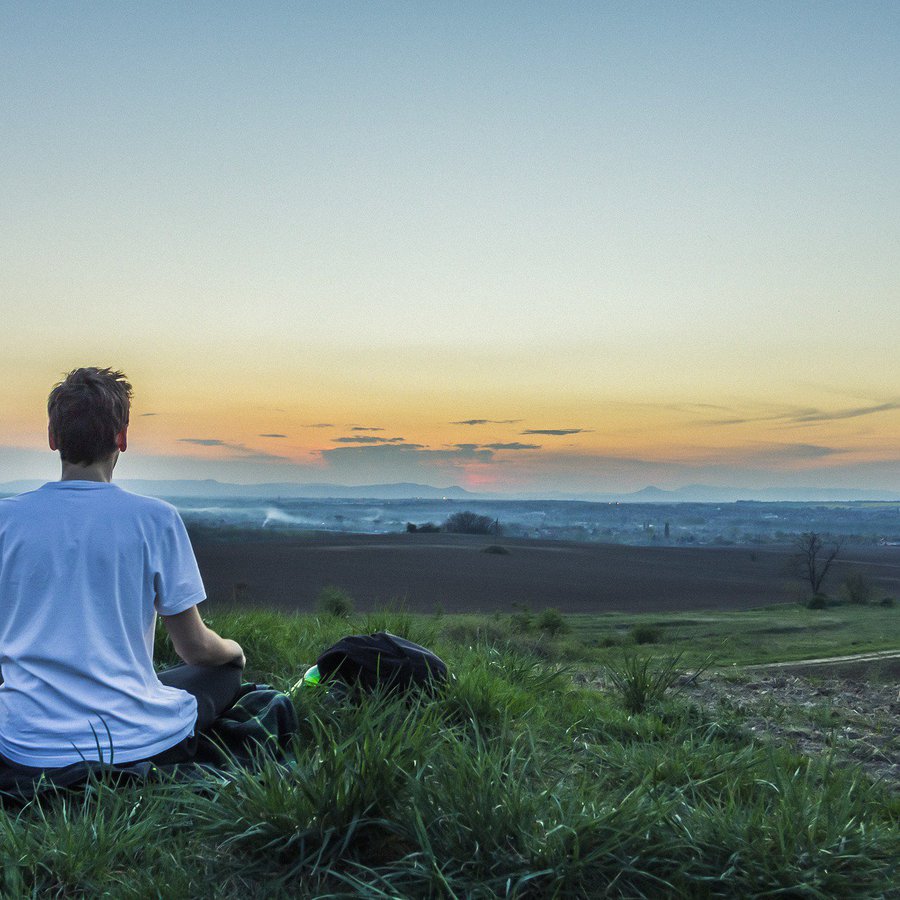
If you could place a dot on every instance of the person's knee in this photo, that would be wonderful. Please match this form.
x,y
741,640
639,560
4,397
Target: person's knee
x,y
206,712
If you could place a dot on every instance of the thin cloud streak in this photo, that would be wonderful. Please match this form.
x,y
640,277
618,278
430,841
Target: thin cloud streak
x,y
487,422
512,445
806,416
745,420
556,431
368,439
846,413
466,451
778,453
237,451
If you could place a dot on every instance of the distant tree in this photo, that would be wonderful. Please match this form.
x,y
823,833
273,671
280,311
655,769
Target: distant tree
x,y
813,559
411,528
467,522
551,622
667,531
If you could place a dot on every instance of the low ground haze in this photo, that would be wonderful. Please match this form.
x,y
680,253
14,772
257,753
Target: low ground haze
x,y
639,524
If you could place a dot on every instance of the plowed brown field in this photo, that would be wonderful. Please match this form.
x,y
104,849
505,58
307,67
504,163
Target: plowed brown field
x,y
451,572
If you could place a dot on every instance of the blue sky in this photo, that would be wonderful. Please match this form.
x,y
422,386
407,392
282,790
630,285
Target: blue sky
x,y
667,229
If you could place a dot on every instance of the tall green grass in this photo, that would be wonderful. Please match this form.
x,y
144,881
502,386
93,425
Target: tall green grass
x,y
513,782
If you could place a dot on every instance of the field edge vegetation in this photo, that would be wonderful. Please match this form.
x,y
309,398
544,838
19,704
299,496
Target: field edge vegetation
x,y
516,781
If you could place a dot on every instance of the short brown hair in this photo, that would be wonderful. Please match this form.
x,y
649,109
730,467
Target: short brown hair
x,y
87,409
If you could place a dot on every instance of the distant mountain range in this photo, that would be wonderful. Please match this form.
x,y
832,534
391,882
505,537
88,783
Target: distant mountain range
x,y
703,493
695,493
217,489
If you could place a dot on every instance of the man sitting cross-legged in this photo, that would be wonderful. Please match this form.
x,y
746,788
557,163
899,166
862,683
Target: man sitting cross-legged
x,y
84,569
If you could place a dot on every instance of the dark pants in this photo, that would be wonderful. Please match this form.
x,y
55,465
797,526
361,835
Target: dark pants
x,y
215,687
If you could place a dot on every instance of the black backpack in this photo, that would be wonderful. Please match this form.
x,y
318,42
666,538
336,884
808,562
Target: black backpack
x,y
382,660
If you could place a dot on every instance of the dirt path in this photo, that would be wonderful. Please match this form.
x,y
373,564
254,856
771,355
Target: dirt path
x,y
848,705
832,660
882,667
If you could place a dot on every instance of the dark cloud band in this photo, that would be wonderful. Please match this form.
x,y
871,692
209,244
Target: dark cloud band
x,y
368,439
487,422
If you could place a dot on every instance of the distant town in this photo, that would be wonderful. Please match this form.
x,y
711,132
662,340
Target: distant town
x,y
676,524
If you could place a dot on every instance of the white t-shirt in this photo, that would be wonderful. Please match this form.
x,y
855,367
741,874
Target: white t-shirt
x,y
84,568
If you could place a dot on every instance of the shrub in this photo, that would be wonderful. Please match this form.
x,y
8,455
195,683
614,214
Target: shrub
x,y
857,588
467,522
817,601
497,549
551,622
641,682
887,601
645,634
335,602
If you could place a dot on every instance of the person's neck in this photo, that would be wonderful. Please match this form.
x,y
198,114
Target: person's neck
x,y
101,470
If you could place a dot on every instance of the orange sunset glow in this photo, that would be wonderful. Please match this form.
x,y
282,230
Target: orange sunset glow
x,y
325,249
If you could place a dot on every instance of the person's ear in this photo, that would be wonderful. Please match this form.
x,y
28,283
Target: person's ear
x,y
122,440
50,439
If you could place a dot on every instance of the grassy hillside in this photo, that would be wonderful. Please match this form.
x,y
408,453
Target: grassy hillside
x,y
514,782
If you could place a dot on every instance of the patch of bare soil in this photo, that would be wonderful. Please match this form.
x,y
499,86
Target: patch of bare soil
x,y
816,710
425,571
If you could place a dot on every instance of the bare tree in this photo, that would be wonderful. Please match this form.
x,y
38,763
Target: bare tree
x,y
813,558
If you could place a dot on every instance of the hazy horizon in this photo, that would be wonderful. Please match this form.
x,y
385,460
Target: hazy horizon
x,y
692,494
516,247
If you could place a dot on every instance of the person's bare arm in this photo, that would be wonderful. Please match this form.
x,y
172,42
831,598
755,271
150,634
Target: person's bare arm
x,y
199,645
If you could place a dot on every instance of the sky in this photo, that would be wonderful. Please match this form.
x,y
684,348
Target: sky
x,y
520,247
